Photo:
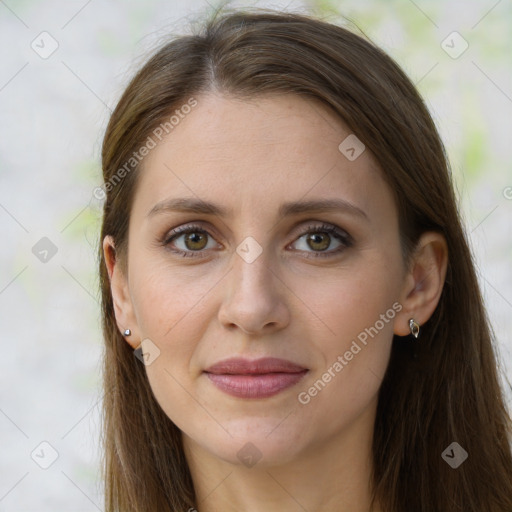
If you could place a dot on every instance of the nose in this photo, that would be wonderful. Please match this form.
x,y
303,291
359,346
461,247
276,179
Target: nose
x,y
254,297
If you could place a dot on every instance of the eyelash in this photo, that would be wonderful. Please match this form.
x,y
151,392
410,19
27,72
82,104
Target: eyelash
x,y
342,236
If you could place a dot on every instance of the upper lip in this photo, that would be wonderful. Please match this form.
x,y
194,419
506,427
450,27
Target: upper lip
x,y
241,366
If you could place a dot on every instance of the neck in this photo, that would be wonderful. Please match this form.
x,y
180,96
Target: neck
x,y
334,475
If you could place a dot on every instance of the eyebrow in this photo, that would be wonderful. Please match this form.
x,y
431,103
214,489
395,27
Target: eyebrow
x,y
198,206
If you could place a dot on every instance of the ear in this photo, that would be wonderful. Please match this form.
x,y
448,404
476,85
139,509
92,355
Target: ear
x,y
424,282
123,307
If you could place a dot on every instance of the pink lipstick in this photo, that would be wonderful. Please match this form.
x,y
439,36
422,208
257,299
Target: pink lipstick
x,y
260,378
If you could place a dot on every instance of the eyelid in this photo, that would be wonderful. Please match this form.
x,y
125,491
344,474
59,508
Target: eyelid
x,y
188,227
323,227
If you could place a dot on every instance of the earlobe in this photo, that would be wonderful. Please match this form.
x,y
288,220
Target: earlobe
x,y
424,282
123,308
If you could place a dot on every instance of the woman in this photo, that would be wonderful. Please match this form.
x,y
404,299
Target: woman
x,y
283,254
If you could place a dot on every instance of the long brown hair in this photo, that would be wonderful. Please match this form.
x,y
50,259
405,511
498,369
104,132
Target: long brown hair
x,y
448,391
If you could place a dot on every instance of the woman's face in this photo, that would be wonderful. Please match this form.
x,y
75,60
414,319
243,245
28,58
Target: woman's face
x,y
266,275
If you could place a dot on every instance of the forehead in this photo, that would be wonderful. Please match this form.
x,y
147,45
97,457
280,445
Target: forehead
x,y
258,153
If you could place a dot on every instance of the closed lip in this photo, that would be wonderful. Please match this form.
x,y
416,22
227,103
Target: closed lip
x,y
265,365
259,378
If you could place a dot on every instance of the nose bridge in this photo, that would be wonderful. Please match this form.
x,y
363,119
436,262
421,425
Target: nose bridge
x,y
253,253
251,300
251,268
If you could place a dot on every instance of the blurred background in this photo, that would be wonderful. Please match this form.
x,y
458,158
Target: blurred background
x,y
63,67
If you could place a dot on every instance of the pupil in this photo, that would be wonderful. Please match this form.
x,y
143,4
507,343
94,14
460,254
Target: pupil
x,y
316,238
195,238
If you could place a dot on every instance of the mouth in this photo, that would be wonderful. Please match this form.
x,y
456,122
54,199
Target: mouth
x,y
260,378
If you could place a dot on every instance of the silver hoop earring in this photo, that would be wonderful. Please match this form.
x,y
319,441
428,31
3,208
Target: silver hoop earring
x,y
127,332
414,327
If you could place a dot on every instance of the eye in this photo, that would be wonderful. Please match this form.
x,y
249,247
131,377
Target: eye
x,y
315,240
320,238
189,240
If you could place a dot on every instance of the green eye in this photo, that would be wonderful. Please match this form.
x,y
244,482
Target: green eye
x,y
192,240
195,240
317,239
189,240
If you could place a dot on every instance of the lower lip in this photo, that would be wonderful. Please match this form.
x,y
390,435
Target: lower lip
x,y
255,386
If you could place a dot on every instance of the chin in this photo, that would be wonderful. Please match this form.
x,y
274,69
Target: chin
x,y
258,442
251,452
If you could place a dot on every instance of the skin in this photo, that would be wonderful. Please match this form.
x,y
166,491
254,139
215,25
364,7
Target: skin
x,y
250,157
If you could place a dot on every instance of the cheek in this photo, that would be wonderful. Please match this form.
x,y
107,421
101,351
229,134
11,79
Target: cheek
x,y
170,310
353,300
171,314
353,359
166,296
357,309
